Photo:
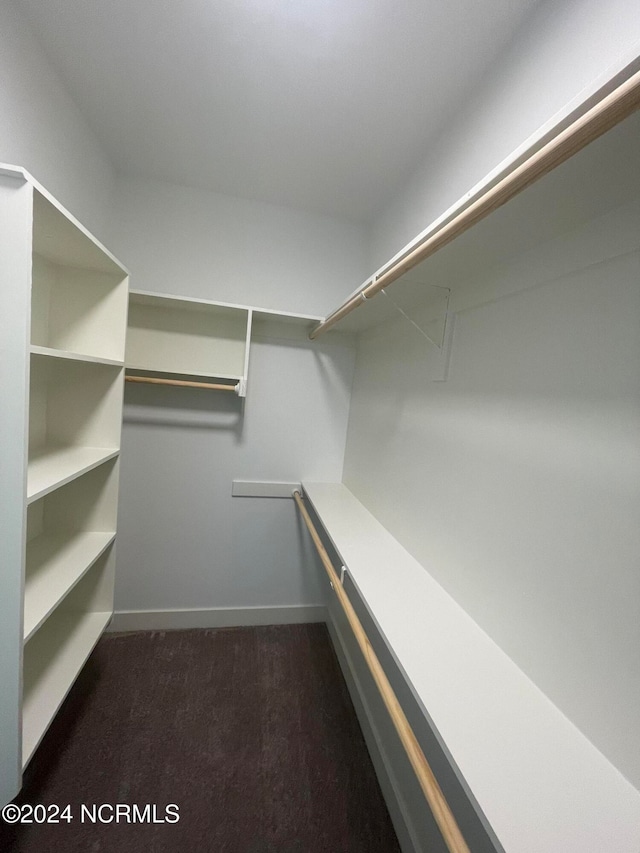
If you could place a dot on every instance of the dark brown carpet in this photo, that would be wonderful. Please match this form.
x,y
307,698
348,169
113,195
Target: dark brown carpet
x,y
249,731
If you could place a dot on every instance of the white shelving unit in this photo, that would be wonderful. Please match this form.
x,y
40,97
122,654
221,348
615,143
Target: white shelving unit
x,y
176,336
67,532
65,307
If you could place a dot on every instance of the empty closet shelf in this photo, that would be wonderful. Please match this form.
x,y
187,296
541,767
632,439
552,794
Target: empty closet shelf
x,y
55,563
69,355
53,658
51,467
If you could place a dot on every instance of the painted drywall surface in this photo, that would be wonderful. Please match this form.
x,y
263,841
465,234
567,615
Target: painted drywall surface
x,y
518,477
183,541
199,243
43,131
559,53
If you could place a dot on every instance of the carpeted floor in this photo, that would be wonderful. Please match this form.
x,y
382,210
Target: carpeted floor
x,y
250,732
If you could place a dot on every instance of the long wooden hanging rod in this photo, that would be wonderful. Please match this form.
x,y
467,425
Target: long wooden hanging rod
x,y
604,115
181,383
431,789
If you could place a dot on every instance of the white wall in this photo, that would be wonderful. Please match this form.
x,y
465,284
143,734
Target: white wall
x,y
194,242
43,131
181,240
183,541
561,54
518,477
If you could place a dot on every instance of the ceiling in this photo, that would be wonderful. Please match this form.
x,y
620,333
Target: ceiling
x,y
325,105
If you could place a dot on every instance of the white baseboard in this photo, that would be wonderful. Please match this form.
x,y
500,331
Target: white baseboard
x,y
218,617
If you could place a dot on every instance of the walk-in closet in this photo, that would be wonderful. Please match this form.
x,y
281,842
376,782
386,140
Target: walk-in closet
x,y
320,459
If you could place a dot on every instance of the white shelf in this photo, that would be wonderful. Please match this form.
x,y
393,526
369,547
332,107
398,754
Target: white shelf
x,y
281,325
523,769
194,303
265,316
183,303
78,310
600,177
187,337
171,335
51,352
53,658
55,563
52,467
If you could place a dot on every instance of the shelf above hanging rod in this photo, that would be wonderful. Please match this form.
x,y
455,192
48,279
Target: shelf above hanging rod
x,y
183,383
609,110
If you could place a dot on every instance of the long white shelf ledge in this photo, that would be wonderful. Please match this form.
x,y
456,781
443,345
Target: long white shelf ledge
x,y
52,467
541,783
55,564
53,659
51,352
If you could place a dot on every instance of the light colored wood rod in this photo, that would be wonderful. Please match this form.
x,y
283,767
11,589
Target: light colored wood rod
x,y
428,782
604,115
181,383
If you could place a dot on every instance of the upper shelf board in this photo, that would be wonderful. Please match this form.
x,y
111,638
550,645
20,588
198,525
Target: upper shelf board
x,y
601,177
51,352
266,322
191,303
183,303
52,467
281,325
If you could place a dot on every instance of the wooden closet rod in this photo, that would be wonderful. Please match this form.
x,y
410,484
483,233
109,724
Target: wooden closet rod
x,y
604,115
428,782
181,383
